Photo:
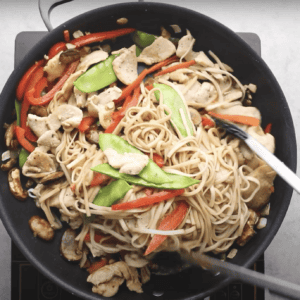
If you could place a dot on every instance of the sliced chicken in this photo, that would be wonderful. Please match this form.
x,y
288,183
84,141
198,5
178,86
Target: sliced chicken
x,y
92,58
110,288
65,115
80,97
266,139
185,45
158,51
37,124
50,139
54,67
203,60
128,163
125,66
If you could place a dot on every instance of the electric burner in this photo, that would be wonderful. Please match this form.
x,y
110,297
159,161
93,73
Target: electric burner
x,y
28,283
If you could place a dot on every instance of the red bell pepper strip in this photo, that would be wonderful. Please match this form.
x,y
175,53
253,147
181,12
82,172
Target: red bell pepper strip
x,y
20,134
148,191
67,36
100,36
49,96
170,222
207,122
23,119
158,160
25,79
86,123
268,128
56,48
149,87
40,86
113,124
34,79
99,179
146,201
177,67
97,265
98,237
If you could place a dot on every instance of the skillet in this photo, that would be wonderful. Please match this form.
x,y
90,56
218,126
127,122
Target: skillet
x,y
248,67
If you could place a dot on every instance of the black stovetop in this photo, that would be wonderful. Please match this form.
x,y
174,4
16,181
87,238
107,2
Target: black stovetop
x,y
27,283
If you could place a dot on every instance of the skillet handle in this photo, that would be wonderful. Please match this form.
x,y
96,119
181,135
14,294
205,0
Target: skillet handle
x,y
45,7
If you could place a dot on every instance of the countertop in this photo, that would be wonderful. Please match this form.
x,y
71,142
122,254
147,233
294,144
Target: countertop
x,y
276,22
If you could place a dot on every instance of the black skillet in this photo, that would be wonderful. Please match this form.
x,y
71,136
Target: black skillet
x,y
191,283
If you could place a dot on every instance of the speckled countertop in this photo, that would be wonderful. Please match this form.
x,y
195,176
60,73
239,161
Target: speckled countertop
x,y
276,22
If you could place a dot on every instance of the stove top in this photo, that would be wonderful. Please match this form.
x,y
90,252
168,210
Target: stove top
x,y
28,283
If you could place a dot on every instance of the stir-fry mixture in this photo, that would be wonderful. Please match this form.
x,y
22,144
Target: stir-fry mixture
x,y
132,160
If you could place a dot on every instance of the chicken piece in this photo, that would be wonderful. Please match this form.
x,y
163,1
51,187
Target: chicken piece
x,y
96,252
50,139
69,246
266,139
65,115
233,95
145,274
266,175
240,110
158,51
54,68
80,97
248,231
185,45
125,66
119,269
92,135
39,164
203,60
195,116
37,124
110,288
128,163
92,58
41,228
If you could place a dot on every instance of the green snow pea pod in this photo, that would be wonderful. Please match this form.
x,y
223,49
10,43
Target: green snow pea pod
x,y
138,51
18,111
23,157
176,104
111,193
151,173
97,77
178,181
143,39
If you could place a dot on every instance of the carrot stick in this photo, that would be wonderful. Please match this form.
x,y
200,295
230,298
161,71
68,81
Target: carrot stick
x,y
207,122
97,265
86,123
20,134
251,121
177,67
99,179
113,124
67,36
162,64
149,200
268,128
25,79
170,222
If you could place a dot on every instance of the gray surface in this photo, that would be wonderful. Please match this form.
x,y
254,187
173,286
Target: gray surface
x,y
276,23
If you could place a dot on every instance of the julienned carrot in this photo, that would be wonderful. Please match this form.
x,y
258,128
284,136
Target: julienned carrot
x,y
170,222
67,36
176,67
207,122
86,123
250,121
116,114
268,128
100,36
97,265
20,134
149,200
128,90
56,48
163,63
99,179
49,96
25,79
40,86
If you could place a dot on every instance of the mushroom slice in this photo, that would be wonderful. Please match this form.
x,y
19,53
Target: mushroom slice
x,y
195,116
69,247
69,56
15,186
10,141
41,228
158,51
125,66
9,165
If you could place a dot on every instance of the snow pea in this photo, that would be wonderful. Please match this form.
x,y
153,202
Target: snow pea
x,y
111,193
178,181
23,157
173,100
97,77
151,173
18,111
